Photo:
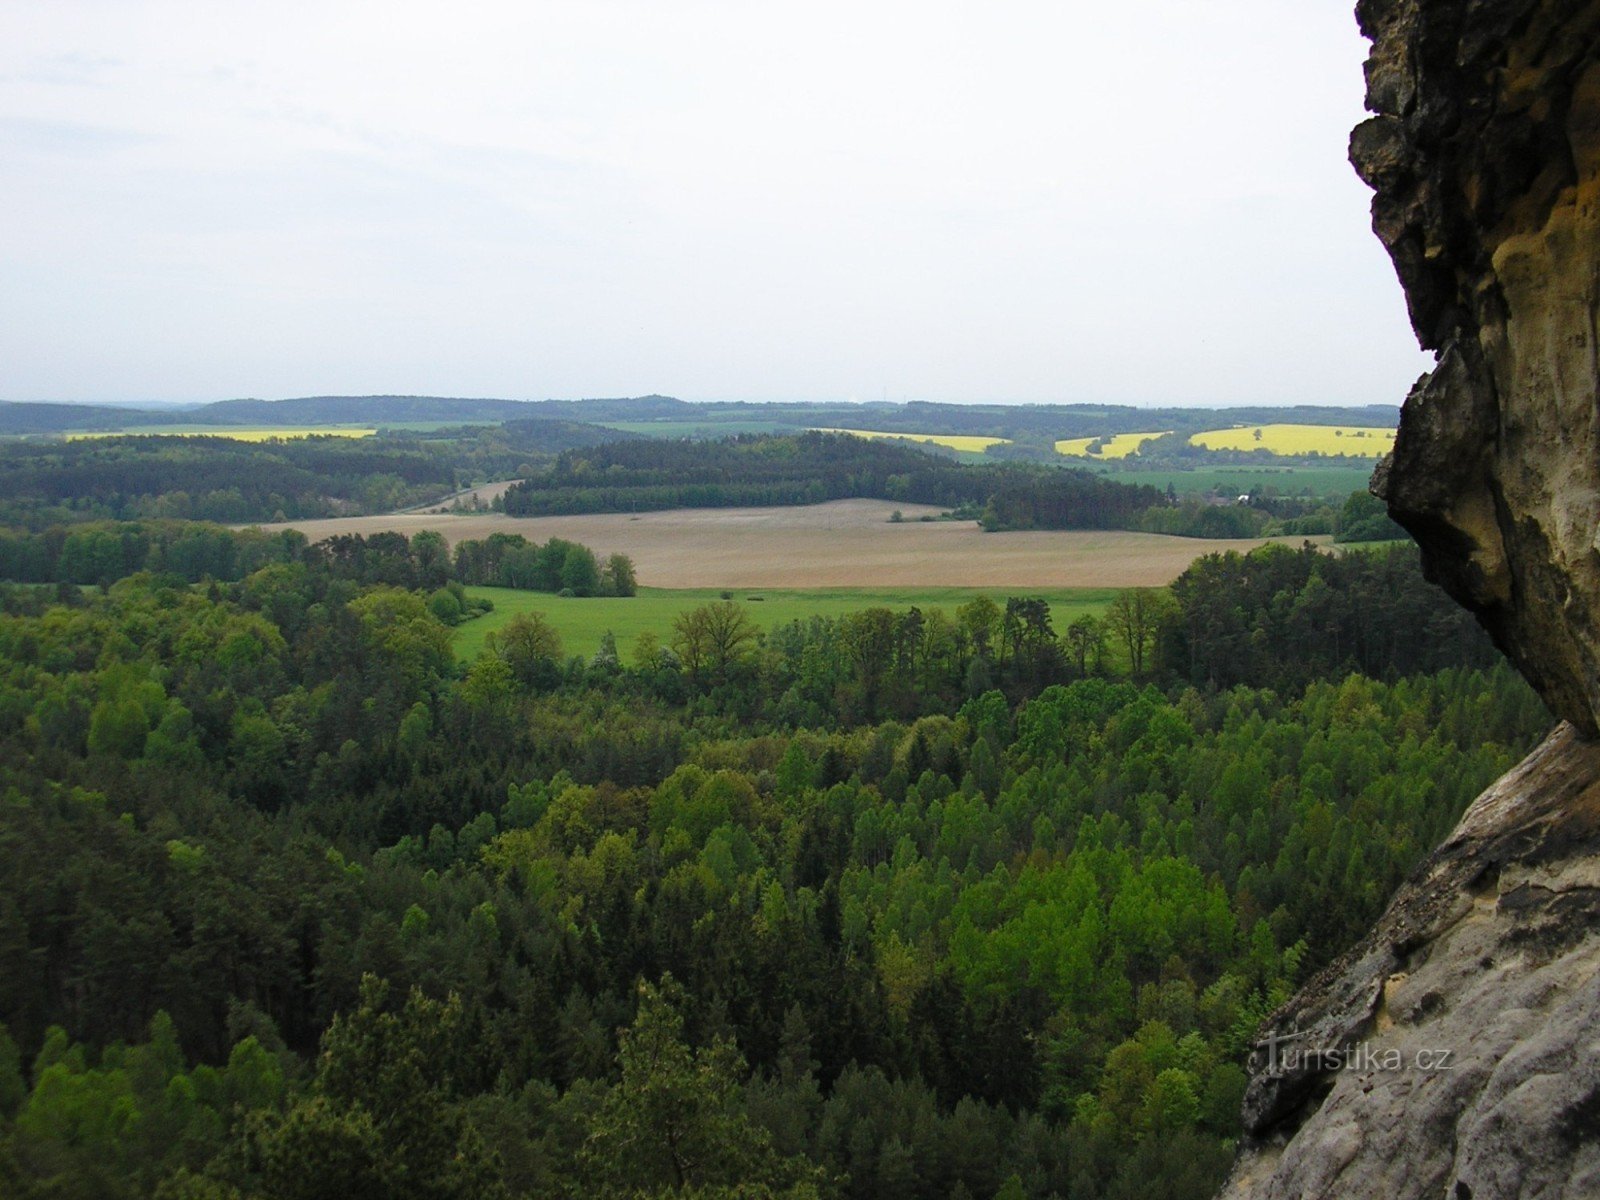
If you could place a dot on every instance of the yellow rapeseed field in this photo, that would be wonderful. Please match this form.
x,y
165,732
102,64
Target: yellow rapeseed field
x,y
226,431
1119,446
955,441
1365,441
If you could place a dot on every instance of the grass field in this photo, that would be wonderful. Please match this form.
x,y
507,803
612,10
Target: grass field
x,y
970,443
228,431
582,623
1119,446
1366,441
1285,481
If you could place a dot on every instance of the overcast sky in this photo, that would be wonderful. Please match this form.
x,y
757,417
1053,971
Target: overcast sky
x,y
1144,202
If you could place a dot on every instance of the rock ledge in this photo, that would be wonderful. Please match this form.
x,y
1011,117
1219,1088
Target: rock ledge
x,y
1455,1052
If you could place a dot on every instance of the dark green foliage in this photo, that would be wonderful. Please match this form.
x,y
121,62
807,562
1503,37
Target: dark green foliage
x,y
1206,521
675,1120
948,909
104,552
182,551
810,468
1365,518
219,478
384,1115
216,479
1280,617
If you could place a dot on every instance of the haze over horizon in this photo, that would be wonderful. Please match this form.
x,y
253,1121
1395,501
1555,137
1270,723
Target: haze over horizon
x,y
154,404
1147,205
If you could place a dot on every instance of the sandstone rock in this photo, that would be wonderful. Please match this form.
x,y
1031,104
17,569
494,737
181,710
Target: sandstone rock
x,y
1455,1052
1484,156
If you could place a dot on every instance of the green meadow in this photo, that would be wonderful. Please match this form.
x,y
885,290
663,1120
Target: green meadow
x,y
1286,481
583,622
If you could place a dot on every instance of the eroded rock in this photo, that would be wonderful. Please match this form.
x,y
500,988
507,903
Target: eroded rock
x,y
1485,160
1455,1052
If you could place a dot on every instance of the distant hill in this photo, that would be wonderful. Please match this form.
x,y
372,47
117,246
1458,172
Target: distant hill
x,y
375,410
357,410
551,435
1030,420
26,417
637,408
1020,421
20,418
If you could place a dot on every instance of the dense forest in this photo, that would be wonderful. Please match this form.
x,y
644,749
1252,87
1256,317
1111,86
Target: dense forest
x,y
810,468
101,553
932,903
566,469
221,479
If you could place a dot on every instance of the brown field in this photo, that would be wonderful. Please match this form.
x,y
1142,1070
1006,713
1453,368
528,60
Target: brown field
x,y
486,492
846,543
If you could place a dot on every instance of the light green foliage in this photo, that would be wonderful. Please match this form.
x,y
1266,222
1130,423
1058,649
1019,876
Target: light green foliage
x,y
948,920
398,624
652,610
530,647
491,681
444,605
138,1115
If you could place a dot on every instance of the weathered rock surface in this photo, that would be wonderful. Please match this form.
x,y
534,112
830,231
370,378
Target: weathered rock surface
x,y
1485,159
1455,1052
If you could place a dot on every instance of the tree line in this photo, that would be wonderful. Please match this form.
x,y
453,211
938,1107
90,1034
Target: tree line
x,y
101,553
215,479
222,479
810,468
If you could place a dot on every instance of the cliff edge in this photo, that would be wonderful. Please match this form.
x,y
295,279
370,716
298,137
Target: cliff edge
x,y
1455,1052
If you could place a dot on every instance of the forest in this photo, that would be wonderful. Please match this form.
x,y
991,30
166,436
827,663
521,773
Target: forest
x,y
54,482
101,553
945,904
568,467
809,468
1003,495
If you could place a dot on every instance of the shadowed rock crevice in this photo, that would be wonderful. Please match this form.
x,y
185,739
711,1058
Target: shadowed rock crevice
x,y
1484,157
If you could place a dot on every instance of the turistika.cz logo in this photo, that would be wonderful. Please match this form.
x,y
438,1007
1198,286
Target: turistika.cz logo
x,y
1283,1057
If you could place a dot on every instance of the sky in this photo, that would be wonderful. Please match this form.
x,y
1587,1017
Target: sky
x,y
1144,202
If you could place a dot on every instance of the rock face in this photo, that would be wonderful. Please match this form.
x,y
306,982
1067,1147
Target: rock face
x,y
1485,159
1455,1052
